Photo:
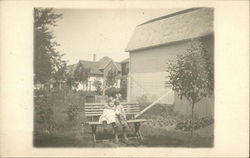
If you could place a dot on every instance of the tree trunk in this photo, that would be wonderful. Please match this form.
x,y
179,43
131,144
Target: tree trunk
x,y
192,123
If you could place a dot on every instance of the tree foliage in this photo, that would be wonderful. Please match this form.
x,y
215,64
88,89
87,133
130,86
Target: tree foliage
x,y
48,61
191,76
112,92
98,86
111,78
81,74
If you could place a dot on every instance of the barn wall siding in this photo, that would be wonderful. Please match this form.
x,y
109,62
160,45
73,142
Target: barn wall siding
x,y
205,107
148,69
142,84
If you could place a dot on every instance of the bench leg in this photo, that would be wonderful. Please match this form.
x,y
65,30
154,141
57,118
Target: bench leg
x,y
137,132
94,133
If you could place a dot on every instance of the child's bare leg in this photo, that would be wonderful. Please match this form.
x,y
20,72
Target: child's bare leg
x,y
115,127
125,129
105,126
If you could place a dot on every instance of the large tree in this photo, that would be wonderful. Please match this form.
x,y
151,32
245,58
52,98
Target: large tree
x,y
47,60
191,75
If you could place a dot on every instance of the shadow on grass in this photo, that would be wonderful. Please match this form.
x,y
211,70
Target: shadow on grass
x,y
59,141
149,141
153,137
165,141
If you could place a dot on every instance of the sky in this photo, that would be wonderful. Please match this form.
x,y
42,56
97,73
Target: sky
x,y
104,32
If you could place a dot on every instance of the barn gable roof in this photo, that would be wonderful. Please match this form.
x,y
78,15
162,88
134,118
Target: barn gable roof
x,y
187,24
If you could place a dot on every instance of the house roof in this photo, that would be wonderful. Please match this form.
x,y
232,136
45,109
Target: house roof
x,y
103,62
186,24
124,61
118,65
95,67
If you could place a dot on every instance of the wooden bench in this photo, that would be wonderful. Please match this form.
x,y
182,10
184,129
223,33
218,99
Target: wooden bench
x,y
93,111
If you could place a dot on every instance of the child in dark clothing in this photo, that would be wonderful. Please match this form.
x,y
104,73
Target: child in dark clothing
x,y
121,118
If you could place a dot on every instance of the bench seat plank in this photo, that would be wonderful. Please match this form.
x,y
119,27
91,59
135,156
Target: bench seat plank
x,y
128,121
99,109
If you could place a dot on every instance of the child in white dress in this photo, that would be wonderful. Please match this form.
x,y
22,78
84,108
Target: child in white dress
x,y
109,117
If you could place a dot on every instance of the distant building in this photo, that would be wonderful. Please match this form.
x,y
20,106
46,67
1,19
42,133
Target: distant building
x,y
124,76
98,71
155,42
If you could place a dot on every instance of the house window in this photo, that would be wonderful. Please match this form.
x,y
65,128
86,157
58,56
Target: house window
x,y
124,82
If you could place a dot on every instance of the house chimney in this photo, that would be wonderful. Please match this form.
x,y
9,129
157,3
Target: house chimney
x,y
94,57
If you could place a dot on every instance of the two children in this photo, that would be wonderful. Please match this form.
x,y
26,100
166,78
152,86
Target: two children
x,y
114,114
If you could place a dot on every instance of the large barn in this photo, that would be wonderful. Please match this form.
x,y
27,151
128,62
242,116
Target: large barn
x,y
155,42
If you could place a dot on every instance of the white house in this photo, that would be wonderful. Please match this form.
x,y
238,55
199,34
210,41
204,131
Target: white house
x,y
98,71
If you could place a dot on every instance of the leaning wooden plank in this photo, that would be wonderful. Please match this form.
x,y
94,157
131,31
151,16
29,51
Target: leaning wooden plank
x,y
154,103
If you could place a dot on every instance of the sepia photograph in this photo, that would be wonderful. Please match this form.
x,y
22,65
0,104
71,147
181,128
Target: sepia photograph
x,y
123,77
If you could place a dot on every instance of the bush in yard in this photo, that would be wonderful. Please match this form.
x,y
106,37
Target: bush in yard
x,y
186,125
72,112
160,122
43,113
111,92
123,92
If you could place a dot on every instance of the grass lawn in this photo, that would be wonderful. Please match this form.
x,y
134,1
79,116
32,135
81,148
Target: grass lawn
x,y
157,132
153,137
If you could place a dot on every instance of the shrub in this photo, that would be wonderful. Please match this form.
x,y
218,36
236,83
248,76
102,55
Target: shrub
x,y
159,121
123,92
111,92
57,108
43,112
72,112
186,125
